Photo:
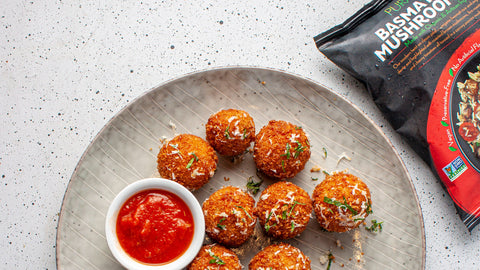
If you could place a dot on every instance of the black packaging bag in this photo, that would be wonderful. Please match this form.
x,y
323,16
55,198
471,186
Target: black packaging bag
x,y
420,62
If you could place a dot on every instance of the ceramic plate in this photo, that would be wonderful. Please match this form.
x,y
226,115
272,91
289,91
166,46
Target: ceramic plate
x,y
126,148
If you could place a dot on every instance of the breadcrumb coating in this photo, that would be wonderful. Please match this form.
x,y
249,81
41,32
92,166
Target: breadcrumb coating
x,y
280,256
284,210
341,202
229,216
215,257
188,160
230,132
281,149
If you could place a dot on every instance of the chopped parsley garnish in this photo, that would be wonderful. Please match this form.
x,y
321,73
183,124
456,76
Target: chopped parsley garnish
x,y
343,205
174,146
293,206
253,186
194,158
376,226
241,207
292,227
314,178
283,166
190,162
325,172
299,149
330,260
287,151
324,152
267,226
219,225
216,259
227,132
244,134
369,208
298,127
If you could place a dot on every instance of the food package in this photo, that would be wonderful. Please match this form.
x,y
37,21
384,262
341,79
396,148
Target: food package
x,y
420,62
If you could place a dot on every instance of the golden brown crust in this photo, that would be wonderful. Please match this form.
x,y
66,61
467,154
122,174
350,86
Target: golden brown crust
x,y
281,149
280,256
215,257
188,160
335,198
229,216
230,132
284,210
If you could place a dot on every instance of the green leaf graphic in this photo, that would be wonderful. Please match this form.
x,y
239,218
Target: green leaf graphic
x,y
450,71
444,123
453,149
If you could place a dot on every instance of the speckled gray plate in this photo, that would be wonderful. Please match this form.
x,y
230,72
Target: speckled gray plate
x,y
125,151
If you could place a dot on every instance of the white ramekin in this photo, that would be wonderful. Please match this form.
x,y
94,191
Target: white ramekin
x,y
155,183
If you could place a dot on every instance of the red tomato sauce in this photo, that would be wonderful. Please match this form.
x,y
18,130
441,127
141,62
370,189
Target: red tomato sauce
x,y
468,131
155,226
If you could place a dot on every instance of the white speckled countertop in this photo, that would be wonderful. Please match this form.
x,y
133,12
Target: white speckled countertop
x,y
67,67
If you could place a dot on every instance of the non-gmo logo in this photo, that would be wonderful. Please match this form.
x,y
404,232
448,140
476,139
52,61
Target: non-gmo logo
x,y
454,169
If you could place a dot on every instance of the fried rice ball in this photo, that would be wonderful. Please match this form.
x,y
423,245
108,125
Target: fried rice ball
x,y
215,256
229,216
281,149
188,160
230,132
280,256
284,210
341,202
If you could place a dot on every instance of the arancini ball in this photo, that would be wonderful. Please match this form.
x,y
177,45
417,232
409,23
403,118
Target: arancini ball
x,y
230,132
188,160
280,256
341,202
281,149
284,210
229,216
215,256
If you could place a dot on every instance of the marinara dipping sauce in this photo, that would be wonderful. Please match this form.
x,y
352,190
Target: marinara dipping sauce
x,y
155,226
